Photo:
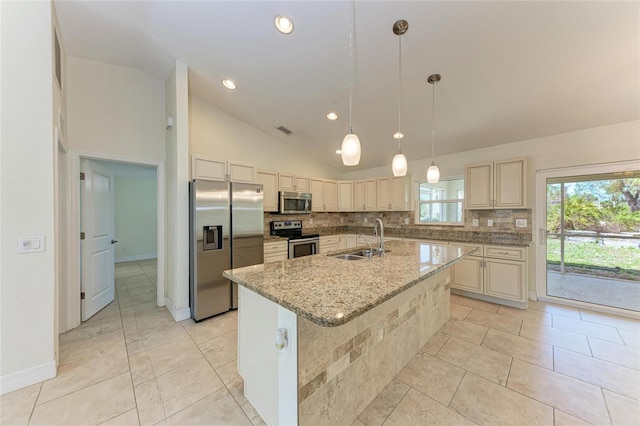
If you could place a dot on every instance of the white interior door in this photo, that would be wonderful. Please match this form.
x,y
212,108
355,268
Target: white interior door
x,y
97,249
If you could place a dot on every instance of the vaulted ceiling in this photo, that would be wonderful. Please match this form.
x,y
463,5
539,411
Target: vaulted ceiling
x,y
510,70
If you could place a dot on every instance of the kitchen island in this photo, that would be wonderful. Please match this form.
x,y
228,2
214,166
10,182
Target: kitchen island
x,y
351,326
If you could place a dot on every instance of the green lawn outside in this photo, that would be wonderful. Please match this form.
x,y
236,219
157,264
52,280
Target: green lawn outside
x,y
594,255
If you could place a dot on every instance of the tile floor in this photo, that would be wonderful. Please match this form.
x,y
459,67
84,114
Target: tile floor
x,y
549,365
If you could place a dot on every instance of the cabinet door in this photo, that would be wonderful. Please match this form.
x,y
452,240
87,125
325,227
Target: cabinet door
x,y
302,184
370,194
467,274
241,172
286,182
269,182
358,196
400,193
383,193
505,278
351,241
478,186
342,242
275,257
510,184
208,168
316,188
331,195
345,196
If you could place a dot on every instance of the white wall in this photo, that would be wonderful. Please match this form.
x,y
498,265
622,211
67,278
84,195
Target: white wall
x,y
177,201
135,217
618,142
27,281
214,133
114,110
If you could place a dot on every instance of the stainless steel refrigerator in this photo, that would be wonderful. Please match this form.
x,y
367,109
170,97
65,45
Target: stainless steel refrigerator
x,y
226,231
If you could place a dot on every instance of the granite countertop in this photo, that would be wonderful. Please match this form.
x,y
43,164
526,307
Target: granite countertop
x,y
332,292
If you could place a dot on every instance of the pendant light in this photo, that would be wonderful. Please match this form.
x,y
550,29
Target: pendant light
x,y
351,143
433,174
399,163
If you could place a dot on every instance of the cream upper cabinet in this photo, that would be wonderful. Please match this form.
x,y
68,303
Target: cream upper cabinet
x,y
345,196
394,193
293,183
220,169
269,182
331,195
365,195
324,195
499,185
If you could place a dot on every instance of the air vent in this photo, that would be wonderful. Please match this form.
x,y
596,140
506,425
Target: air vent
x,y
284,130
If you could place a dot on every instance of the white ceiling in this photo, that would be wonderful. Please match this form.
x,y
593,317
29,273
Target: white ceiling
x,y
510,70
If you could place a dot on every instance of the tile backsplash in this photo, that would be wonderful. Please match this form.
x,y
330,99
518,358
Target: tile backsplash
x,y
504,221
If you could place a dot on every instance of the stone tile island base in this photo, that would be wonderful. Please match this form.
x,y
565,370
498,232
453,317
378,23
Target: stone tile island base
x,y
340,370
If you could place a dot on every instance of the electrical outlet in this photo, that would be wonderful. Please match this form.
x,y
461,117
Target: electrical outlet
x,y
310,221
521,223
474,222
366,220
406,220
489,222
342,220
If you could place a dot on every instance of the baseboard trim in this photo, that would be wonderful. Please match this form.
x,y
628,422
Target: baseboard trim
x,y
137,257
177,314
28,377
533,296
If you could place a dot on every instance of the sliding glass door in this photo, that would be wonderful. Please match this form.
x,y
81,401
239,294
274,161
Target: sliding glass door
x,y
593,238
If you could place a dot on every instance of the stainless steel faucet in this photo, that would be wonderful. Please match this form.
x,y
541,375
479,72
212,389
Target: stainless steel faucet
x,y
380,235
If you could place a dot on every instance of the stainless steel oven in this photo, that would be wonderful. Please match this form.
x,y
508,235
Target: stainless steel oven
x,y
299,247
299,244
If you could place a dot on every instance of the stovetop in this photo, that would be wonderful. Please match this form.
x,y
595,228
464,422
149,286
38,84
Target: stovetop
x,y
291,229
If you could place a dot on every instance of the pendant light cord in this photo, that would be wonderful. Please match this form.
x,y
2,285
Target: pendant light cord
x,y
433,127
353,18
399,85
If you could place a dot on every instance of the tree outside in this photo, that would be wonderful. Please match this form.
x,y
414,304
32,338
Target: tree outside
x,y
601,227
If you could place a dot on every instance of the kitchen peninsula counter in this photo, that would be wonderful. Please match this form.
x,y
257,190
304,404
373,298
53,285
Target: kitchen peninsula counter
x,y
320,337
330,291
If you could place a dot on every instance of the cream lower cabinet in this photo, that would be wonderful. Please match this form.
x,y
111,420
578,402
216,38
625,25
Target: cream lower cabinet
x,y
346,241
498,272
329,243
275,251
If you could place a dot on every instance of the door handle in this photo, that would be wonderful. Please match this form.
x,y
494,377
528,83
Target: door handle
x,y
114,241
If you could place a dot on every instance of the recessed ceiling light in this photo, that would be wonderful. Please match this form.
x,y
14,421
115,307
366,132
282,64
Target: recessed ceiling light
x,y
284,24
398,135
229,84
332,116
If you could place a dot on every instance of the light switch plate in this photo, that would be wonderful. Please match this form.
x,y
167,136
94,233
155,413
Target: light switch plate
x,y
474,222
406,220
365,220
489,222
342,220
30,244
521,223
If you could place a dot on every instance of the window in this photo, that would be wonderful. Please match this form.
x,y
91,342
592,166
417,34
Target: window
x,y
441,203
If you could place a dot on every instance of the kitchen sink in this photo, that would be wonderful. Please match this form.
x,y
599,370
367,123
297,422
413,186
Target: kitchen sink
x,y
349,256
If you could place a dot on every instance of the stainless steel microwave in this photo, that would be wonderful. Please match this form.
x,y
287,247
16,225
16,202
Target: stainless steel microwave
x,y
294,202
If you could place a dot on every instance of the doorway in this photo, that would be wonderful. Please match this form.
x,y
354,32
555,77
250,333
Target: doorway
x,y
592,236
125,172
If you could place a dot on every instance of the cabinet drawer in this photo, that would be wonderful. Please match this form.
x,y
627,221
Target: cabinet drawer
x,y
501,252
329,240
275,257
275,247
